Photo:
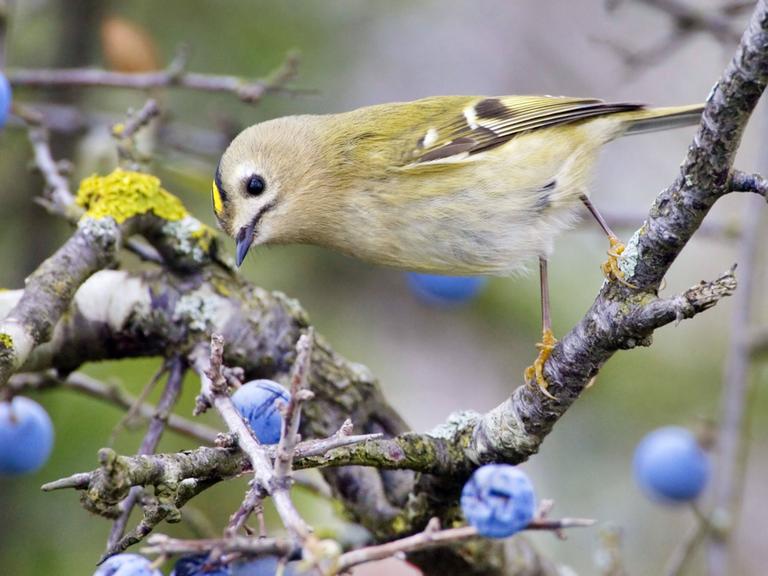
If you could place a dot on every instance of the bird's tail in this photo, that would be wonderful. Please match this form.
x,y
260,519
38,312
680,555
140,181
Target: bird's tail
x,y
654,119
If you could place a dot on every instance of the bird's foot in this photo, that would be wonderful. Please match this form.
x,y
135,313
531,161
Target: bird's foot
x,y
610,267
535,372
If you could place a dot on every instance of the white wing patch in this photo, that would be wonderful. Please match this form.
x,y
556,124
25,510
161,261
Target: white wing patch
x,y
430,138
470,114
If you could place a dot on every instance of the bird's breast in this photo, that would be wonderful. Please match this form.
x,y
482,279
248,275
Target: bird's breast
x,y
469,231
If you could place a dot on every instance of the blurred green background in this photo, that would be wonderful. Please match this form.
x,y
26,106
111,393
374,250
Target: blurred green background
x,y
430,361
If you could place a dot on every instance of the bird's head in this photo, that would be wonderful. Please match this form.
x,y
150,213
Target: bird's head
x,y
262,182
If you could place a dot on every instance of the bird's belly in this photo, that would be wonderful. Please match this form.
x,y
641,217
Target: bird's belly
x,y
455,234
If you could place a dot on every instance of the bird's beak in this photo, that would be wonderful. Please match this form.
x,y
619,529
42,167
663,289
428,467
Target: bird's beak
x,y
243,242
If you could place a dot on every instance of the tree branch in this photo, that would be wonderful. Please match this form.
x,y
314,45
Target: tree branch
x,y
112,394
162,313
214,390
117,543
173,77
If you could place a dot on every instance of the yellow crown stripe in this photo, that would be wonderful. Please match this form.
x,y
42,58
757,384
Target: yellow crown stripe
x,y
218,205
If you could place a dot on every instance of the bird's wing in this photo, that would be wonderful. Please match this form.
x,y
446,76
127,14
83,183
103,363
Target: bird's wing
x,y
485,123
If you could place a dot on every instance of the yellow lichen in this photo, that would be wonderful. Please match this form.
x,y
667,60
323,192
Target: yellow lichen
x,y
124,194
6,341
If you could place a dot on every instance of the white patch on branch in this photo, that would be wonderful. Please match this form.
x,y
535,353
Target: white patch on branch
x,y
111,296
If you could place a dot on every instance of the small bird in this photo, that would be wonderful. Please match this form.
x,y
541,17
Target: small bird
x,y
461,185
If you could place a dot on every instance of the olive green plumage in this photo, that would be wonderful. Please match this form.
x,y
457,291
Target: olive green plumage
x,y
450,184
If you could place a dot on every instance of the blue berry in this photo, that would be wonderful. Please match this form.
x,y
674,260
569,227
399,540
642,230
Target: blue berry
x,y
445,290
127,565
5,99
257,402
199,566
670,465
498,500
26,436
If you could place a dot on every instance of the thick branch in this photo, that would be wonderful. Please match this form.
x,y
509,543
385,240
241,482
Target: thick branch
x,y
49,291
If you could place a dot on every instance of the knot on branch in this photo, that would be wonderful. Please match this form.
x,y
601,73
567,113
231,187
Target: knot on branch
x,y
107,486
707,294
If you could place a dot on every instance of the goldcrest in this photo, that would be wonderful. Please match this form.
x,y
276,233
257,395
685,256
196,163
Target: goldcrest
x,y
452,184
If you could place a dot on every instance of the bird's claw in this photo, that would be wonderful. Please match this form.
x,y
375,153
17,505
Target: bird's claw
x,y
535,372
610,267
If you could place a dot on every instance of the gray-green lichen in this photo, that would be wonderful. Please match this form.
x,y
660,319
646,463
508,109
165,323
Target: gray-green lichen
x,y
631,254
502,432
201,310
193,238
456,423
100,231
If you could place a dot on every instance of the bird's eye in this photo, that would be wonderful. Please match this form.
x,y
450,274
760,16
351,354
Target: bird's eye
x,y
255,185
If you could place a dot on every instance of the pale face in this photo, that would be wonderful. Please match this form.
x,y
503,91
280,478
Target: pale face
x,y
246,191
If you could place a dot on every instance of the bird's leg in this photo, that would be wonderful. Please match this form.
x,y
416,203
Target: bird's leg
x,y
548,340
610,267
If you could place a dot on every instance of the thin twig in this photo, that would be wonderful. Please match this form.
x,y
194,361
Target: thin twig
x,y
684,551
635,59
124,133
743,182
176,136
289,435
688,16
214,389
133,410
116,543
433,536
687,19
164,466
732,442
160,544
136,121
251,503
57,196
430,537
4,9
248,91
112,394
